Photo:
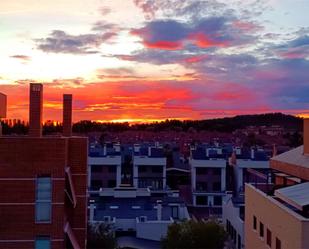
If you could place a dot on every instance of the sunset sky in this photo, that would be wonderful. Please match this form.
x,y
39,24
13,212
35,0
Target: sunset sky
x,y
145,60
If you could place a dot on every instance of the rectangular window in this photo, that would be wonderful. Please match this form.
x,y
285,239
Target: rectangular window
x,y
268,237
261,230
111,184
175,214
254,223
96,184
142,169
157,169
216,186
43,199
201,200
112,169
216,171
278,243
96,168
201,186
201,171
239,242
42,242
217,201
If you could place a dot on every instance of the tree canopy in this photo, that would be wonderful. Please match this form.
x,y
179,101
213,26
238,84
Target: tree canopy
x,y
192,234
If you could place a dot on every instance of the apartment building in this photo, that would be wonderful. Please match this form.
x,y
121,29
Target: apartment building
x,y
43,181
277,216
104,166
3,103
245,166
208,177
149,167
137,211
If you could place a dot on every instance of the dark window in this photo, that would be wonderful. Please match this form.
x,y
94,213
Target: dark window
x,y
201,186
239,242
42,242
43,199
112,169
111,183
268,237
261,230
228,226
157,169
201,171
142,169
96,168
278,243
216,186
254,223
201,200
217,200
175,214
216,171
96,184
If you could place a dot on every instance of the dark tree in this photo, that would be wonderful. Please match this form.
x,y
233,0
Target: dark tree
x,y
100,236
191,234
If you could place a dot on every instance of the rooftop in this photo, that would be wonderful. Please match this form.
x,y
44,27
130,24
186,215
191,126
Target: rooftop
x,y
296,195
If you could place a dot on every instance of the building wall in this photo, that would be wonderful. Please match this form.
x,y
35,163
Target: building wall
x,y
282,222
77,161
231,213
152,230
21,161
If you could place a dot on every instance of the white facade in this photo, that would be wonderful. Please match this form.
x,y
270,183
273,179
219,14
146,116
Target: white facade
x,y
231,214
213,163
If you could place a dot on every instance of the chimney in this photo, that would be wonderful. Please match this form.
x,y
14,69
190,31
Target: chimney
x,y
67,115
306,136
3,102
36,110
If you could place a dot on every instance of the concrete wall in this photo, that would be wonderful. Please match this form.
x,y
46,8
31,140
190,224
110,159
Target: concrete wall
x,y
231,213
289,227
152,230
125,224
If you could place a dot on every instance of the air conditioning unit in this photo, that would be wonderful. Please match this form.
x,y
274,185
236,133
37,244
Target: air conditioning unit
x,y
143,218
107,219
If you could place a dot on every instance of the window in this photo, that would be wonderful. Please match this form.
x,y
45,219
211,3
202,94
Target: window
x,y
261,230
96,168
278,243
175,214
228,226
217,201
112,169
201,171
201,186
216,186
96,184
43,199
239,242
268,237
254,223
216,171
111,183
142,169
42,242
157,169
201,200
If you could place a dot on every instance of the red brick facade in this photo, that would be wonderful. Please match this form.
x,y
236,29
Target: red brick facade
x,y
22,160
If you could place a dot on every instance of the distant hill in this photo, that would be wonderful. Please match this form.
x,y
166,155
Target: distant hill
x,y
221,124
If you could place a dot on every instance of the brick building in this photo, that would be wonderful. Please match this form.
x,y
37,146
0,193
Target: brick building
x,y
43,182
